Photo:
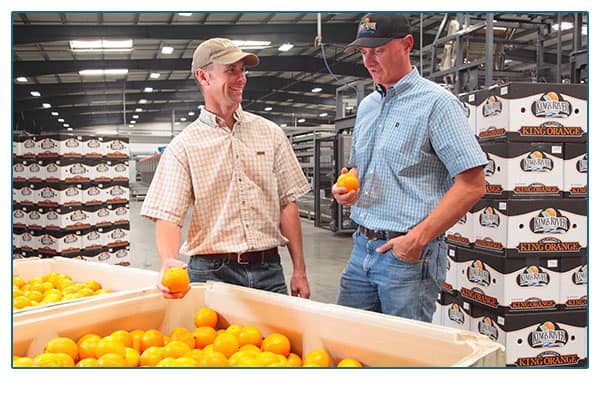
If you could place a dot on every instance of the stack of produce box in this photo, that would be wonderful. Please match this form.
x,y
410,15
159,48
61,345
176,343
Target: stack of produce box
x,y
517,269
71,197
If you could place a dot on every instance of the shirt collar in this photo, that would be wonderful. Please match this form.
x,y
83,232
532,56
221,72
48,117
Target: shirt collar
x,y
403,84
215,121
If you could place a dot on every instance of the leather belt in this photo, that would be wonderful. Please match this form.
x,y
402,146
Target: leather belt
x,y
371,234
251,257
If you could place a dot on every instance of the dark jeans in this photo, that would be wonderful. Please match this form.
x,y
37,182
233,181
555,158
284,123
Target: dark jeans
x,y
264,276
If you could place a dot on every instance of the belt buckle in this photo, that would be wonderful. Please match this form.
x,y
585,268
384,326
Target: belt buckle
x,y
239,260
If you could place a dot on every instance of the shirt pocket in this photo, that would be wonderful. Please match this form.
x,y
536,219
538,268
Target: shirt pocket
x,y
259,165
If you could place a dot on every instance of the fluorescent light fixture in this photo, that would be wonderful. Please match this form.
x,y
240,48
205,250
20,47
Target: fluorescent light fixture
x,y
91,46
177,123
130,125
99,72
183,119
154,75
21,79
61,120
283,125
316,90
184,14
251,44
285,47
323,115
138,110
69,129
132,122
35,93
148,90
54,113
66,125
563,26
46,105
167,50
135,116
301,120
201,106
143,101
191,113
268,108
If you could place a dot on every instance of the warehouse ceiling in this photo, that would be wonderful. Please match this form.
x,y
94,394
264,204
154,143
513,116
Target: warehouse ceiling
x,y
50,93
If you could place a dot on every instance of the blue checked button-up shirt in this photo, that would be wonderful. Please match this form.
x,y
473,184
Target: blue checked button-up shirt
x,y
408,146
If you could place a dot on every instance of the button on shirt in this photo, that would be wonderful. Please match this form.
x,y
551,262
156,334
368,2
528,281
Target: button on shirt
x,y
408,144
235,180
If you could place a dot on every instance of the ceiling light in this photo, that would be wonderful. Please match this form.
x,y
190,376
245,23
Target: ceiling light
x,y
251,44
301,120
61,120
143,101
148,90
316,90
54,113
323,115
66,125
191,113
91,46
177,123
46,105
98,72
201,106
135,116
563,26
21,79
184,14
138,110
69,129
154,75
35,93
283,125
167,50
268,108
130,125
183,119
132,122
285,47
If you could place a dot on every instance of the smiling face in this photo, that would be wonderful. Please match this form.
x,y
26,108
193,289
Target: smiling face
x,y
222,85
390,62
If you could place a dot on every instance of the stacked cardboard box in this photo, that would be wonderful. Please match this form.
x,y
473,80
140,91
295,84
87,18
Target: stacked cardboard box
x,y
71,197
517,261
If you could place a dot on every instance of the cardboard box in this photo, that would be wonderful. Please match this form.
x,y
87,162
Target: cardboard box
x,y
454,313
66,217
57,193
540,339
66,169
116,146
56,242
574,283
119,280
523,169
470,101
534,112
461,233
575,170
23,193
514,227
93,146
341,331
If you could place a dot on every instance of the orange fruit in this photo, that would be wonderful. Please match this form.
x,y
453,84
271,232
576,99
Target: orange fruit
x,y
185,361
176,349
132,357
136,339
87,336
151,356
204,336
266,358
17,280
182,334
45,360
294,360
206,317
250,348
93,285
227,344
123,336
152,337
63,345
318,357
250,335
349,362
21,302
87,346
87,362
111,360
166,362
214,359
109,344
176,279
23,362
196,354
348,180
234,329
276,343
64,360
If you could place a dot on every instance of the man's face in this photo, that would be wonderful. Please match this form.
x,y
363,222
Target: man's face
x,y
226,83
387,63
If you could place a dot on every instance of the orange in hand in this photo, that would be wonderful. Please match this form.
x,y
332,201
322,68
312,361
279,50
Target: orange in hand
x,y
176,279
348,180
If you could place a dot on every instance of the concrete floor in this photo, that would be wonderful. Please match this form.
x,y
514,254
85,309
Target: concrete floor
x,y
325,253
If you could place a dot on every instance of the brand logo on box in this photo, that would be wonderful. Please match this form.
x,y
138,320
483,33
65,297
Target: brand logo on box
x,y
26,237
77,169
489,218
548,244
580,276
537,161
47,144
117,234
531,303
72,142
93,144
533,276
34,168
490,168
581,165
18,168
121,253
47,240
93,191
548,358
551,104
72,191
117,190
117,145
18,214
103,212
536,187
551,128
455,314
492,131
120,168
29,144
77,216
70,238
51,215
47,193
105,255
492,106
93,235
102,168
548,334
51,168
33,215
477,273
549,220
487,327
121,211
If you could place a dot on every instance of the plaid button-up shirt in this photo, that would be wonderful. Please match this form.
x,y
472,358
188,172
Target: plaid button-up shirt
x,y
235,180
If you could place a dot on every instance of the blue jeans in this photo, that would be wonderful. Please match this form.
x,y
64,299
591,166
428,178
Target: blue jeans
x,y
265,276
386,284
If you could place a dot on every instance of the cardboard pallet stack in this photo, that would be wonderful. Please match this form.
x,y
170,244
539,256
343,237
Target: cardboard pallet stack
x,y
71,197
518,259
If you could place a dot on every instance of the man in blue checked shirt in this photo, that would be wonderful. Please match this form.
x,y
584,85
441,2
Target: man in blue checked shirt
x,y
420,169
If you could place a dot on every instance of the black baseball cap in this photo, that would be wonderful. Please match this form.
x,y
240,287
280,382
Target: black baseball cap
x,y
375,30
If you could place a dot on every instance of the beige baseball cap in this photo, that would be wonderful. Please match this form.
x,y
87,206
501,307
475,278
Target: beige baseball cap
x,y
220,51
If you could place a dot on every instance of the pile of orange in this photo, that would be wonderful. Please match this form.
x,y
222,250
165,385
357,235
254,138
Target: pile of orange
x,y
204,346
51,288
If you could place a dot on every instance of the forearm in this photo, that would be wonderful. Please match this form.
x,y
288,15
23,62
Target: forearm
x,y
467,189
291,229
168,237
